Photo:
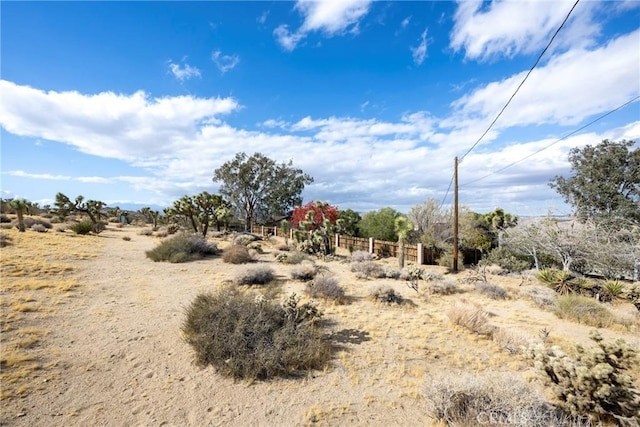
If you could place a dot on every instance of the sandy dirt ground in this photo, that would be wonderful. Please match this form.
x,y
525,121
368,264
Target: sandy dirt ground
x,y
119,359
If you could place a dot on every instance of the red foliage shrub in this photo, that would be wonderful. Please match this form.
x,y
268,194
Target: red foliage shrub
x,y
320,212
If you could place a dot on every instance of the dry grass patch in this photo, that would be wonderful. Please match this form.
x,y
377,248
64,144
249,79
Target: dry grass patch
x,y
583,310
35,270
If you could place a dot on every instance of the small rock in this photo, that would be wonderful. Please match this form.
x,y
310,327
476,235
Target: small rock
x,y
21,414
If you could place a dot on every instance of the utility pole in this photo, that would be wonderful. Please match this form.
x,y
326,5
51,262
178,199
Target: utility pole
x,y
455,214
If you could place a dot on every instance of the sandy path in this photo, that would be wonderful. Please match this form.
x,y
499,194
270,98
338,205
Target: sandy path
x,y
123,361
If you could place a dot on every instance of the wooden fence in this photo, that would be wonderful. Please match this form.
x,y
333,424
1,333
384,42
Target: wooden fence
x,y
417,254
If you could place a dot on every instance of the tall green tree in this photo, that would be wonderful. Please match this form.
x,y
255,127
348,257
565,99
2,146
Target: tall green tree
x,y
349,222
605,182
21,206
258,187
380,224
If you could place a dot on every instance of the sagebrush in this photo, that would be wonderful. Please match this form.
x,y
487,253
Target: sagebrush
x,y
237,254
325,287
258,275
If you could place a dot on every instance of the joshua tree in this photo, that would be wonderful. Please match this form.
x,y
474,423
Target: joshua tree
x,y
402,227
21,206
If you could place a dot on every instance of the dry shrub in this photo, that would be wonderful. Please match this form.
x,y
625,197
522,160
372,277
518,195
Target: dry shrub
x,y
258,275
161,233
327,288
367,269
304,271
491,291
253,338
543,297
237,254
61,228
39,228
244,239
491,399
386,294
291,257
444,287
284,247
146,232
126,238
584,310
29,222
361,256
473,318
596,383
513,342
256,247
182,248
5,240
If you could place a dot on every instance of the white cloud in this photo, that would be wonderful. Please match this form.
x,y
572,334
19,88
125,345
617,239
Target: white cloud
x,y
510,27
224,62
419,52
184,72
330,17
571,87
126,127
405,22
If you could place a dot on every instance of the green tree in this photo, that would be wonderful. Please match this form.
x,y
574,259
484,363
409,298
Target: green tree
x,y
258,187
380,224
21,206
605,182
349,222
200,211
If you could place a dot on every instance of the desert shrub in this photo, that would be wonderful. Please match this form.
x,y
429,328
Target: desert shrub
x,y
492,399
5,219
385,294
632,292
543,297
126,238
29,222
146,232
582,309
39,228
444,287
597,382
507,260
473,318
392,273
283,247
254,338
244,239
82,227
61,228
446,260
291,257
510,341
161,233
431,276
5,240
257,247
361,256
182,248
491,291
325,287
173,228
258,275
304,271
237,254
367,269
6,226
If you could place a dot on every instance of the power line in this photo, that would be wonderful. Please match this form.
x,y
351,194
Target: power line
x,y
447,192
556,141
521,83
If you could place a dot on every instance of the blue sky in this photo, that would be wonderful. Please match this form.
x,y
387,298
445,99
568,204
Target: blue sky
x,y
139,102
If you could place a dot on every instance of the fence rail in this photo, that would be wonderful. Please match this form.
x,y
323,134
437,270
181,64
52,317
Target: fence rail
x,y
412,253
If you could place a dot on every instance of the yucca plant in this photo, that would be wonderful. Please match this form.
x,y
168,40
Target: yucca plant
x,y
611,289
562,281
